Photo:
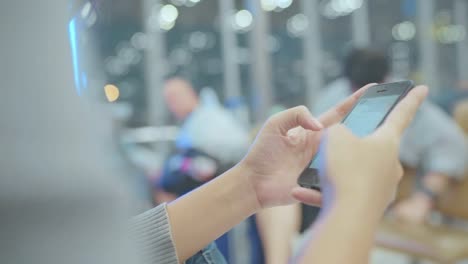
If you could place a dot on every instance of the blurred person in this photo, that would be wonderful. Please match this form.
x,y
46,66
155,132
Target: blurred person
x,y
449,98
211,140
62,199
205,124
433,143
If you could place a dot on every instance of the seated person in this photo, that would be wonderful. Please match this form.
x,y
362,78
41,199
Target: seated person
x,y
210,142
448,99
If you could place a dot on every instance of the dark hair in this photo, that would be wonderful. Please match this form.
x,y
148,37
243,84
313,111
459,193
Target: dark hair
x,y
364,66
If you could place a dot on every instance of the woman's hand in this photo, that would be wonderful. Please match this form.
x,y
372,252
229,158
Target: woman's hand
x,y
284,147
365,170
359,177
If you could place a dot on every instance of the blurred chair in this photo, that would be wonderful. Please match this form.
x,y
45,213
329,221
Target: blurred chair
x,y
445,244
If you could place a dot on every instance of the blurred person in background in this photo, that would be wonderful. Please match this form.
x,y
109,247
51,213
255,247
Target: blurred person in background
x,y
210,141
433,144
448,99
208,133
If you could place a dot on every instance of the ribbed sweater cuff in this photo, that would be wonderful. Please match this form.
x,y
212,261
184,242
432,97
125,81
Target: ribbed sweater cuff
x,y
153,233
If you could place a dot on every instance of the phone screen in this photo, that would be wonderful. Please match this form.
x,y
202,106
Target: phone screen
x,y
366,116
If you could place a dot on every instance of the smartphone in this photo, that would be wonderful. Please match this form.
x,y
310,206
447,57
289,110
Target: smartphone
x,y
366,116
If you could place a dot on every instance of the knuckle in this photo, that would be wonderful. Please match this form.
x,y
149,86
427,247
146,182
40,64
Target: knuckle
x,y
302,109
273,118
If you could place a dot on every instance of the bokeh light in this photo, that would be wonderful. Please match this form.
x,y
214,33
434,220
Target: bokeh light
x,y
297,25
112,92
243,20
404,31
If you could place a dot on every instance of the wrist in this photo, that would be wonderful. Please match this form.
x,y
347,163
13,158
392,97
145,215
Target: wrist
x,y
245,190
364,205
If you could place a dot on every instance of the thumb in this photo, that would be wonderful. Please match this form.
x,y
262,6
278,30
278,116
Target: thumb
x,y
294,117
307,196
334,138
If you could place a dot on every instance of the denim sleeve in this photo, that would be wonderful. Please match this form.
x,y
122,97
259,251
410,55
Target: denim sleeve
x,y
208,255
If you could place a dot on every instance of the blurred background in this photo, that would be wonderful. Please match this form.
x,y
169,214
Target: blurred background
x,y
157,62
257,56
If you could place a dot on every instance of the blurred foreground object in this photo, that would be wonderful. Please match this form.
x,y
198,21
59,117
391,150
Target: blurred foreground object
x,y
62,198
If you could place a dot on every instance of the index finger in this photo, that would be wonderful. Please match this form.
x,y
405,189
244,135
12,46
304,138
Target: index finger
x,y
400,117
294,117
340,111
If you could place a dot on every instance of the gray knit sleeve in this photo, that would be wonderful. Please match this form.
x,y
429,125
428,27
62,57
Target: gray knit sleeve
x,y
153,234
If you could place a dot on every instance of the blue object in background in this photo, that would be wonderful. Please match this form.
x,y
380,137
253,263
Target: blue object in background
x,y
252,237
409,8
73,35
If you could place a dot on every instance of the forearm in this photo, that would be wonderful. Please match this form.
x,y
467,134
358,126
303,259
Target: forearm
x,y
206,213
344,233
278,227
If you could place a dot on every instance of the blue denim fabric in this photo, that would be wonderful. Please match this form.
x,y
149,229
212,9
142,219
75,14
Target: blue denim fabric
x,y
208,255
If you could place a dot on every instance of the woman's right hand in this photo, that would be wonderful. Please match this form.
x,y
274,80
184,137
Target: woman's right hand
x,y
365,170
